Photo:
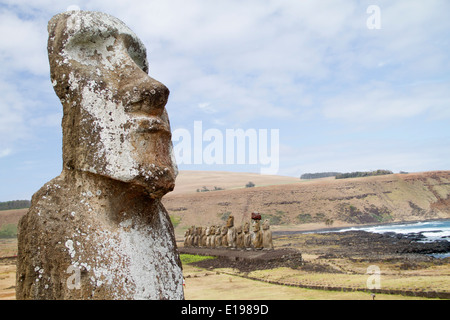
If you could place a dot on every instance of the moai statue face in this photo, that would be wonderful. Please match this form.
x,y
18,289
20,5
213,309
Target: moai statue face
x,y
224,230
246,227
115,123
230,221
239,229
256,226
266,225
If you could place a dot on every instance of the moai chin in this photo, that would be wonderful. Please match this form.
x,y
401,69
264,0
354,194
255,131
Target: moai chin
x,y
99,230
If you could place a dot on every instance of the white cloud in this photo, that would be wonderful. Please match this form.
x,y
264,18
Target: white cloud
x,y
380,102
5,152
24,45
12,110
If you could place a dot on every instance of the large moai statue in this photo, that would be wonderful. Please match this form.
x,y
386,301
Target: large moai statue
x,y
257,235
203,237
256,217
198,237
212,238
99,230
267,235
239,237
194,236
208,237
247,236
186,238
231,232
218,237
224,234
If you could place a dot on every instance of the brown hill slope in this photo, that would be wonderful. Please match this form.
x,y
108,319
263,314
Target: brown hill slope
x,y
11,216
353,201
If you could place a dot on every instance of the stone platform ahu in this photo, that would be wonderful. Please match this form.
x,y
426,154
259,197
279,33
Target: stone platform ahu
x,y
99,230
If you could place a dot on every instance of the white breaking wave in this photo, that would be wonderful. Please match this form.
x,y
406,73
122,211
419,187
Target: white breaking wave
x,y
431,230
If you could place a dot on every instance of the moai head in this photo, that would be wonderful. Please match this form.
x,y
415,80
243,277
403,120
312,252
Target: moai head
x,y
230,221
266,224
115,123
256,226
208,231
218,230
239,229
224,230
246,227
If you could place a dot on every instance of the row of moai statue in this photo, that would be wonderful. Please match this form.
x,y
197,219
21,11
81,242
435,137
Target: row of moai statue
x,y
229,236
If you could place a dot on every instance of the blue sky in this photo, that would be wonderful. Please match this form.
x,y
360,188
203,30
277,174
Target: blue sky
x,y
343,97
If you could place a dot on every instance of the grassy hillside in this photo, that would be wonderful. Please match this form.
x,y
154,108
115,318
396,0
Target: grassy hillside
x,y
318,203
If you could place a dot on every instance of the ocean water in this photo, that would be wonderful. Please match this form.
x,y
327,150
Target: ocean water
x,y
431,230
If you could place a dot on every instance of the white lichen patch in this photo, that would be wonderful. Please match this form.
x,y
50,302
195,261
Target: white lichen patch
x,y
151,270
91,35
69,245
133,261
111,147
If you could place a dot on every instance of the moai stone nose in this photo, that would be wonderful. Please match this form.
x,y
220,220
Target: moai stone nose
x,y
145,95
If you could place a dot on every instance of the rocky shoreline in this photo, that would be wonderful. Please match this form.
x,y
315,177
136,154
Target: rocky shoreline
x,y
360,243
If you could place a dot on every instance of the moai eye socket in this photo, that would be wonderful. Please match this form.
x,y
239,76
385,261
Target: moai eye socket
x,y
137,52
88,48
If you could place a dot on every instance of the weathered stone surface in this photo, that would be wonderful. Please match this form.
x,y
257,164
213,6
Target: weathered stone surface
x,y
231,232
99,230
247,235
267,235
257,235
